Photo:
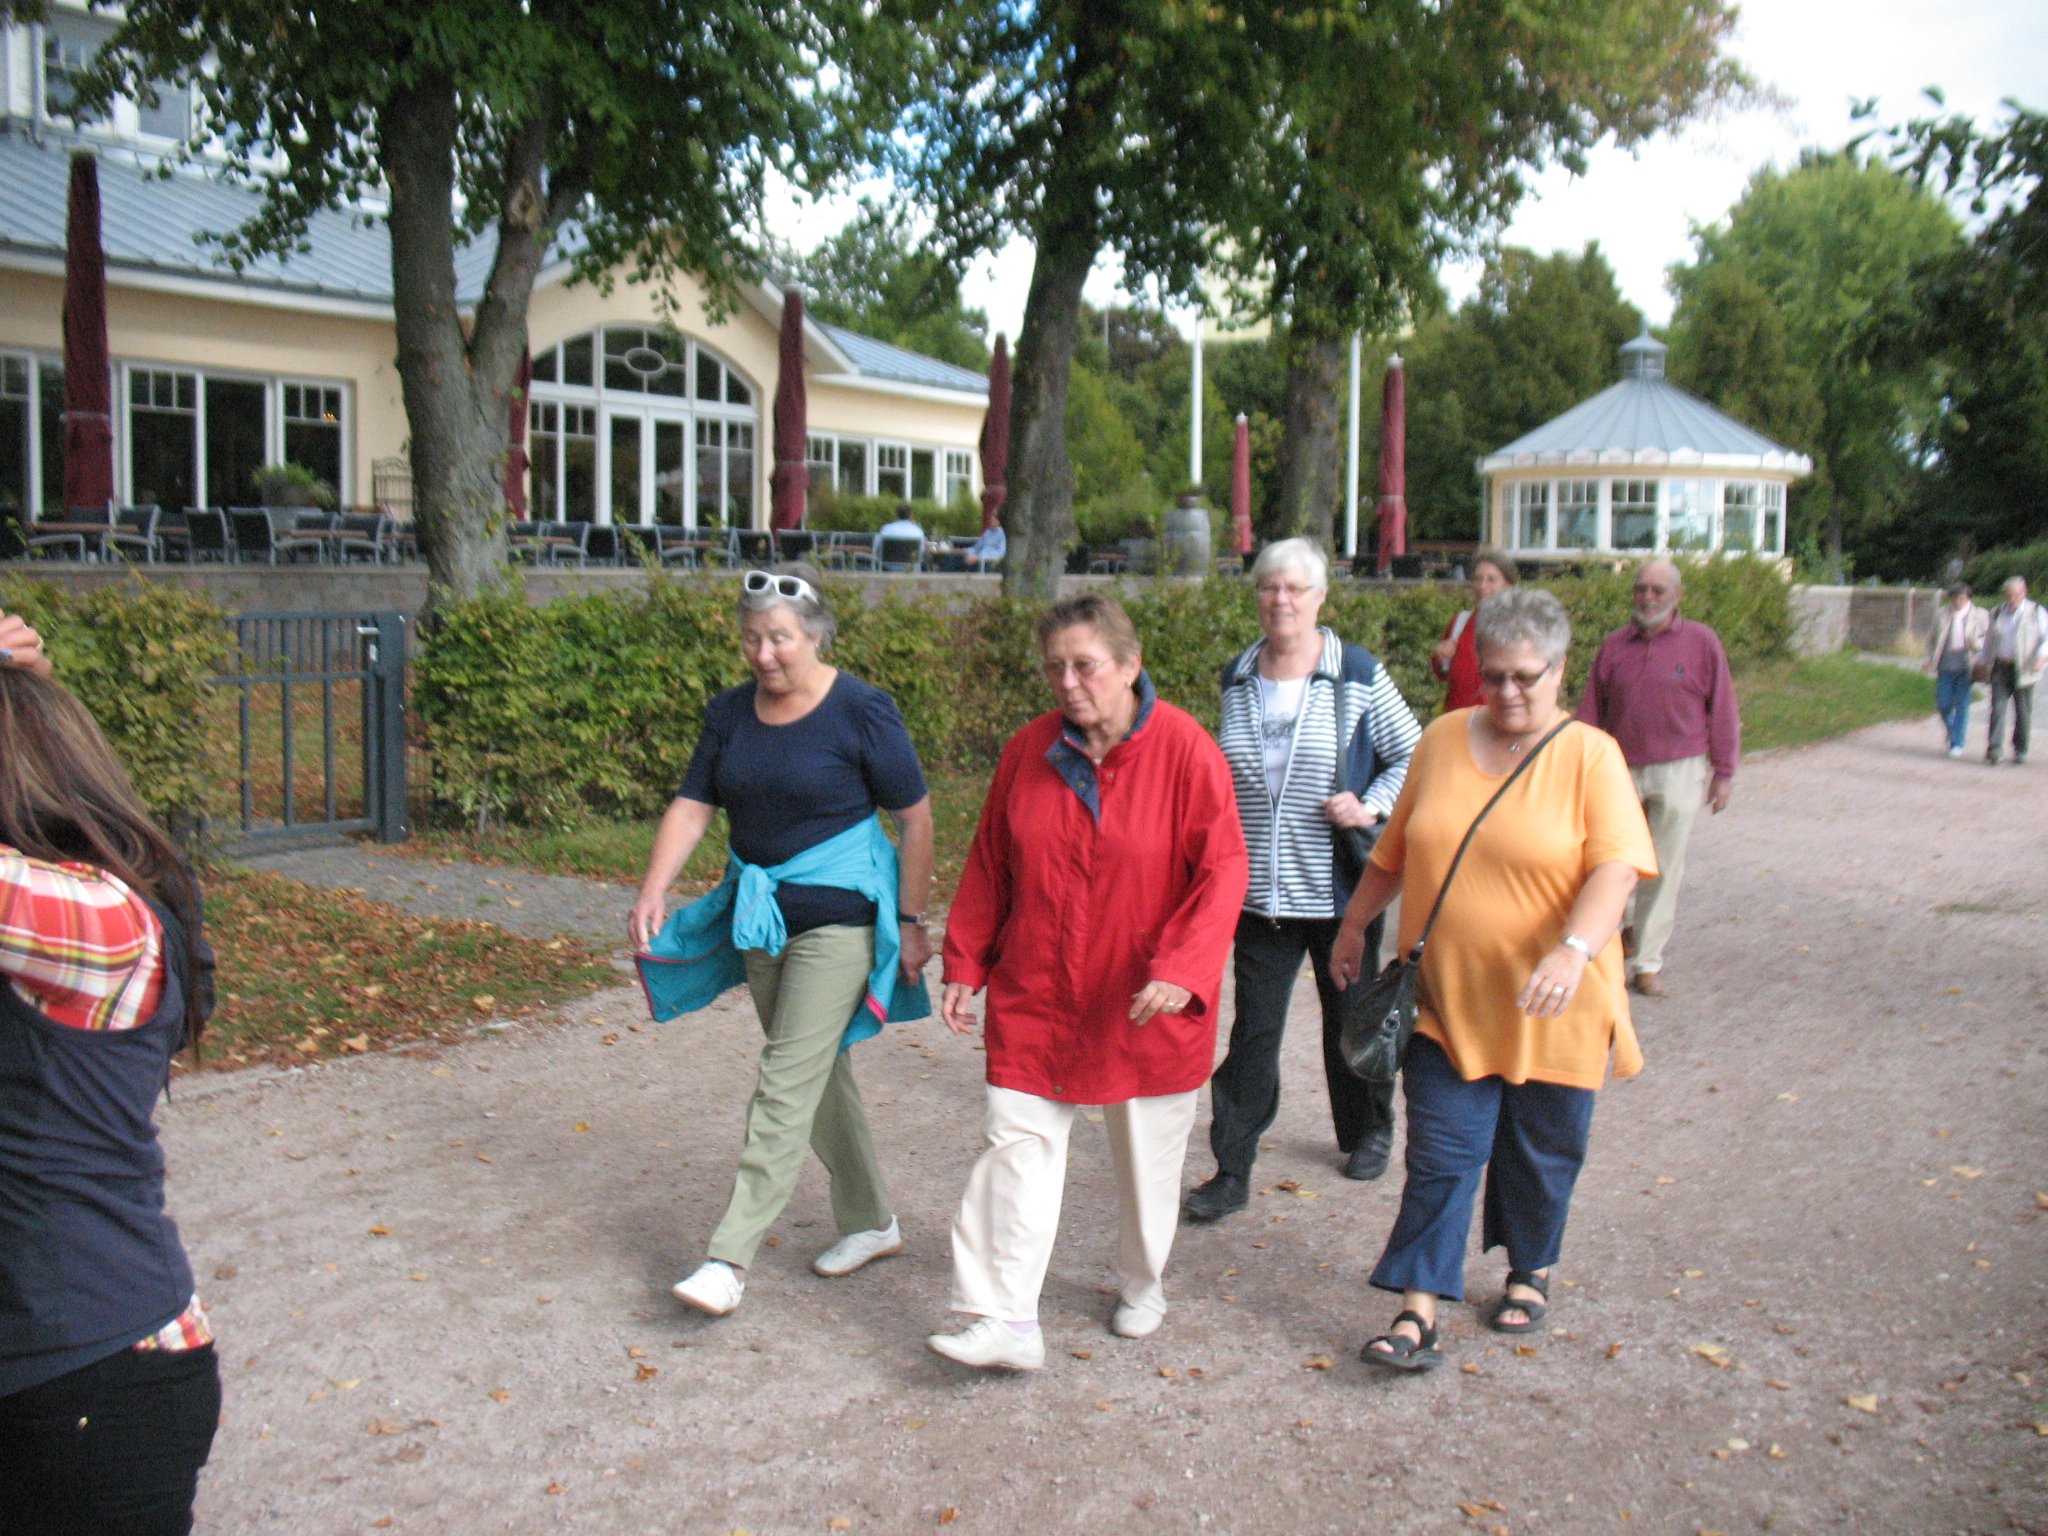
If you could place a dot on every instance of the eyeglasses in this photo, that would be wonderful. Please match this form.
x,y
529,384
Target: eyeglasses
x,y
1283,589
1083,669
793,587
1497,682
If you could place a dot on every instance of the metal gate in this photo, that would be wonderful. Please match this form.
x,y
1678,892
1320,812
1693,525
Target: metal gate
x,y
295,674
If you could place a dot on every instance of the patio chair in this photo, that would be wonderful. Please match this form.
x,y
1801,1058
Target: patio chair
x,y
900,555
638,542
72,539
264,533
753,546
362,536
134,528
796,544
206,535
560,543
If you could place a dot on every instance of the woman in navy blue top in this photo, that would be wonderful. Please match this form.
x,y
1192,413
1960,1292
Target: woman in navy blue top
x,y
802,754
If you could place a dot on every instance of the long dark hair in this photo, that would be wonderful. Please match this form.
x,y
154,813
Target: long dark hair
x,y
64,796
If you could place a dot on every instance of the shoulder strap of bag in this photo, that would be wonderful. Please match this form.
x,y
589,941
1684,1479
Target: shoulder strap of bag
x,y
1415,955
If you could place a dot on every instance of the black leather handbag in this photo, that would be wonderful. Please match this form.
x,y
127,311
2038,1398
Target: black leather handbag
x,y
1379,1017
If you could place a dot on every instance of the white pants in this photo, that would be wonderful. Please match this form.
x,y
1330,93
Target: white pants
x,y
1010,1211
1672,794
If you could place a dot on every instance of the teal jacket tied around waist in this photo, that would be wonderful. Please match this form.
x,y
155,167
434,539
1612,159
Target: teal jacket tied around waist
x,y
697,955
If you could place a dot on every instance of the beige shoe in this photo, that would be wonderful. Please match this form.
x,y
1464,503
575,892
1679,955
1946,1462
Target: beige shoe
x,y
992,1344
714,1289
858,1248
1129,1322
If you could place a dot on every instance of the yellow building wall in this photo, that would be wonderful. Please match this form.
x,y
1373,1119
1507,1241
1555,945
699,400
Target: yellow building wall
x,y
174,329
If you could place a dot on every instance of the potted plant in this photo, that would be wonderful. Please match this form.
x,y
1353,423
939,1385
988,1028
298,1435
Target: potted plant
x,y
292,485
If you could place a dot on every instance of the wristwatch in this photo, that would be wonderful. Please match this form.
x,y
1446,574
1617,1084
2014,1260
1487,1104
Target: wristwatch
x,y
1573,941
915,919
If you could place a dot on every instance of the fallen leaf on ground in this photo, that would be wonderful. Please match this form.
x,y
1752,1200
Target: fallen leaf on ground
x,y
1287,1184
225,1272
554,1488
1104,1407
1695,1274
385,1427
1714,1353
2041,1426
582,1125
1738,1445
2041,1200
499,1395
410,1453
346,1386
1197,1372
1470,1369
1304,1423
839,1523
381,1525
1613,1351
1319,1363
1776,1453
483,1002
1865,1402
647,1373
356,1043
1083,1354
441,1072
1782,1386
636,1353
948,1515
1966,1173
380,1231
1525,1349
1168,1371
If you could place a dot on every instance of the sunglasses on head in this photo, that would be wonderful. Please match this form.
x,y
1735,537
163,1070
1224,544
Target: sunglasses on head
x,y
793,587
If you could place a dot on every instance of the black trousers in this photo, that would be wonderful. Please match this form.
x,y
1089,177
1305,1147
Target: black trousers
x,y
1245,1092
2005,690
111,1449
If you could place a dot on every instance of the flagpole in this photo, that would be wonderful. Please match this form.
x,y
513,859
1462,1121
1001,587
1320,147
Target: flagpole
x,y
1351,457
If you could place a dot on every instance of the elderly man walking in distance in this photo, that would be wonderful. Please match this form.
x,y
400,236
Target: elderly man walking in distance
x,y
2016,655
1660,686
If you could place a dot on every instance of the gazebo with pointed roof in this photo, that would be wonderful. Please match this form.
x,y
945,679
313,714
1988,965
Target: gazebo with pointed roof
x,y
1641,468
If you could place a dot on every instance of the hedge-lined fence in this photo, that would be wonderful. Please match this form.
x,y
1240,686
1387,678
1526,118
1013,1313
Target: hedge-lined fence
x,y
589,707
140,656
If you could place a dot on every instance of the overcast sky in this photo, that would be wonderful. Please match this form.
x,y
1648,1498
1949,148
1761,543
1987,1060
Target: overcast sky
x,y
1816,54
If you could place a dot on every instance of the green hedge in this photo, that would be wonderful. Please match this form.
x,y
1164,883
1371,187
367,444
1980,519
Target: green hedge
x,y
589,707
140,656
1992,569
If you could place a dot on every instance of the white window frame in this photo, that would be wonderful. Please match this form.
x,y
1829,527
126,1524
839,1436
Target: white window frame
x,y
958,467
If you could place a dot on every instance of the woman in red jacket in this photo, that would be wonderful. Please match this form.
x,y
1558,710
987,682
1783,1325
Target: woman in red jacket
x,y
1455,661
1097,908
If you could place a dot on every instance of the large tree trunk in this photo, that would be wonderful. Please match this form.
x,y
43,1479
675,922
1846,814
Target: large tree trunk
x,y
1311,450
1039,513
458,385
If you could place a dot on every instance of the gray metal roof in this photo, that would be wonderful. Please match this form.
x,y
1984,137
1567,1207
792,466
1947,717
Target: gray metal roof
x,y
151,224
882,360
1646,420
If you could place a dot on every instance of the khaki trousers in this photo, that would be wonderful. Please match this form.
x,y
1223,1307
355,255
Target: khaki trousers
x,y
1672,794
1010,1212
805,1092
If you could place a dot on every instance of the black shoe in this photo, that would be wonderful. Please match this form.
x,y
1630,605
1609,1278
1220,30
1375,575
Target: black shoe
x,y
1368,1160
1216,1199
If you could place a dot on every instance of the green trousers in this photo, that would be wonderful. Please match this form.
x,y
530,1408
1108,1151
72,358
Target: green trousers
x,y
805,1092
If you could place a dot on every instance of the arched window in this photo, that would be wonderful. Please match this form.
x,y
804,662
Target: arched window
x,y
643,360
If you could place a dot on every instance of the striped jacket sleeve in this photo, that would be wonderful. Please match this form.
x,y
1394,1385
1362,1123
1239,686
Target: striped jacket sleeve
x,y
1391,726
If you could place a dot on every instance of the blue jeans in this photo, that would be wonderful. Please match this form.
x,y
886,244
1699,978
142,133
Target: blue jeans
x,y
1952,698
1529,1139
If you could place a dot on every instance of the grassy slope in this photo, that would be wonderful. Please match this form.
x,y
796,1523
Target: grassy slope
x,y
1790,703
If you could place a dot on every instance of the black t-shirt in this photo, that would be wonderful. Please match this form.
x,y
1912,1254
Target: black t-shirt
x,y
786,788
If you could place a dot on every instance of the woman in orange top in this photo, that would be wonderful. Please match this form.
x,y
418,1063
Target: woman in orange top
x,y
1456,659
1522,995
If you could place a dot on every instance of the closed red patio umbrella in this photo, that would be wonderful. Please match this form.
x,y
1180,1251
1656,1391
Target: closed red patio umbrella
x,y
516,460
1393,465
1241,488
88,386
995,438
791,483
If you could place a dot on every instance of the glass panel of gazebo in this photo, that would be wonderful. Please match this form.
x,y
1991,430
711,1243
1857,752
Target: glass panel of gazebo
x,y
1739,506
1774,518
1634,514
1578,514
1689,515
1532,519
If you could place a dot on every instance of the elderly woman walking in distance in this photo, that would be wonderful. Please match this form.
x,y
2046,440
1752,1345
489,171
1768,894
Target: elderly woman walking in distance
x,y
1521,997
1097,907
1318,738
817,914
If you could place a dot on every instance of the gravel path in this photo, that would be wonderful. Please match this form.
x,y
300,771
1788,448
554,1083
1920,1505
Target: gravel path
x,y
539,906
1806,1286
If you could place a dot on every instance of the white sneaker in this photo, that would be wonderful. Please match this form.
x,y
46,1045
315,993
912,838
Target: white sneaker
x,y
1955,751
992,1343
715,1288
857,1248
1131,1322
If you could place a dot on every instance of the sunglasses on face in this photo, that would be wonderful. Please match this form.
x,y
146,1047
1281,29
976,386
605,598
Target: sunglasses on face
x,y
793,587
1497,682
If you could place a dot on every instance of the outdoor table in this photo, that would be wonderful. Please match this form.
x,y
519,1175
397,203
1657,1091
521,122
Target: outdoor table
x,y
92,537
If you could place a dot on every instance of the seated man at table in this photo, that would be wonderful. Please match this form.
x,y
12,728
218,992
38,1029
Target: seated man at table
x,y
903,527
987,552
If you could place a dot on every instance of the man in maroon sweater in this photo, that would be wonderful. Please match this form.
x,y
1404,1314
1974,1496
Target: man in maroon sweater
x,y
1660,686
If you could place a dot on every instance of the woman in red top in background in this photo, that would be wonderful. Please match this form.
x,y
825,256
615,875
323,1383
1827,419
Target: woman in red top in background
x,y
109,1392
1456,659
1097,907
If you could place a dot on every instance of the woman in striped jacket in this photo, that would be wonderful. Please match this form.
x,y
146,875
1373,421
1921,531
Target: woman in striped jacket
x,y
1317,737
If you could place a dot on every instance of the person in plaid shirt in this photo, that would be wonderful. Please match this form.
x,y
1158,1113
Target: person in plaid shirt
x,y
109,1391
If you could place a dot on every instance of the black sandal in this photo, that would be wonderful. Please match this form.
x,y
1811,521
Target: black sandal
x,y
1534,1311
1402,1354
